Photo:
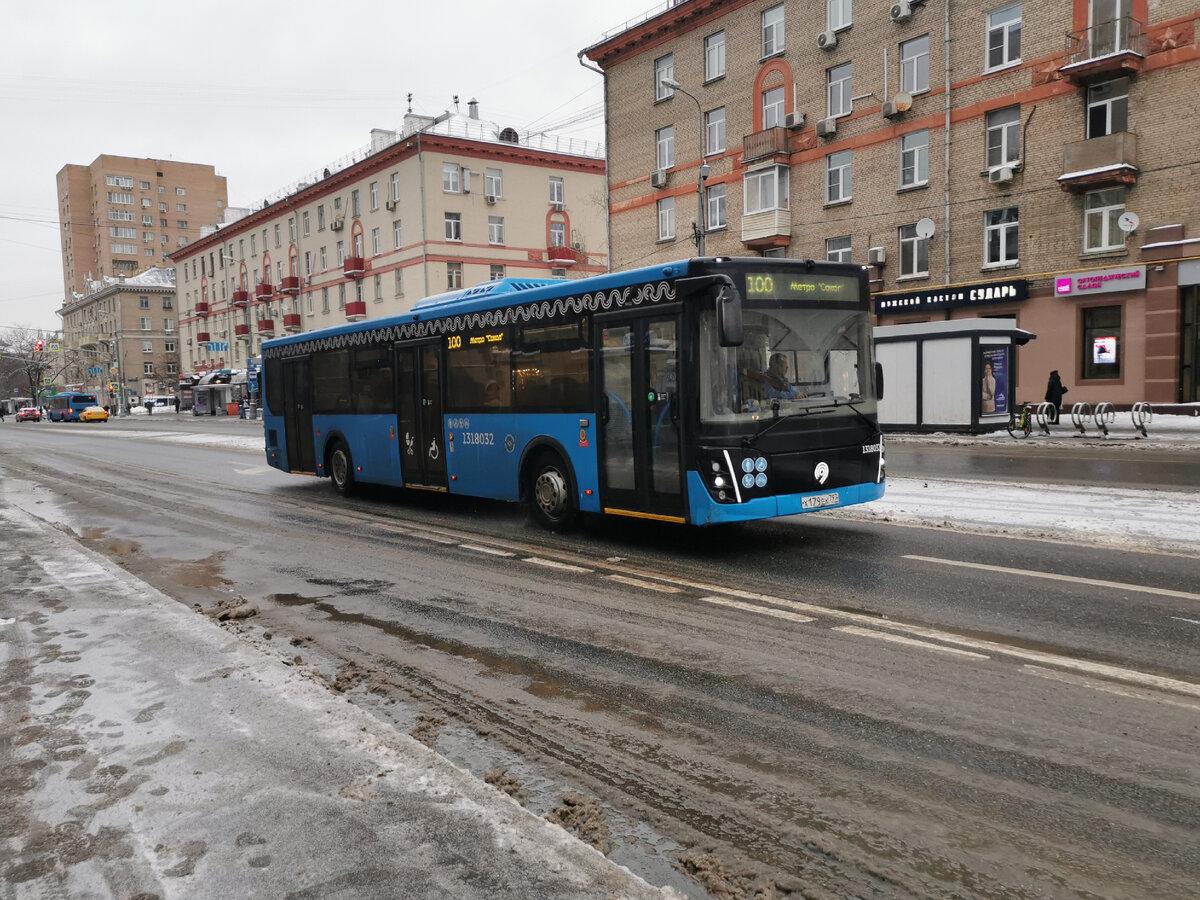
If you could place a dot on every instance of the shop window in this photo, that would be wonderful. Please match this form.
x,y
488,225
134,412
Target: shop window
x,y
1101,351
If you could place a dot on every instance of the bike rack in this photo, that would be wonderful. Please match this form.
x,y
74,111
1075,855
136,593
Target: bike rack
x,y
1080,412
1047,415
1142,414
1104,416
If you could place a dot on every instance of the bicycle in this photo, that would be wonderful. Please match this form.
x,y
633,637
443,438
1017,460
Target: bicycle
x,y
1022,423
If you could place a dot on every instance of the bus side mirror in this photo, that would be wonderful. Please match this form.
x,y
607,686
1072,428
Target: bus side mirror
x,y
729,316
878,381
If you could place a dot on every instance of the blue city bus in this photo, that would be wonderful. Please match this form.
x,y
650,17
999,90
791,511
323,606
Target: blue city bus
x,y
67,407
645,393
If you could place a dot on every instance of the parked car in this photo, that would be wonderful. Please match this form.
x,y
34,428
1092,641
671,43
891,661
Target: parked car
x,y
29,413
94,414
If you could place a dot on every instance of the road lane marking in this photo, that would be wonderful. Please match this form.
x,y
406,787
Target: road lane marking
x,y
1189,621
761,610
490,550
648,585
911,642
1074,579
256,470
1107,686
554,564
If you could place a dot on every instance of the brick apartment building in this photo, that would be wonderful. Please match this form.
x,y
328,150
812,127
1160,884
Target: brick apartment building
x,y
1033,160
446,202
120,215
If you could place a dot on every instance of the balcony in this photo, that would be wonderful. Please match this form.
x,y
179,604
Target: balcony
x,y
291,322
264,291
241,331
1106,50
1100,162
561,256
355,310
203,337
202,308
767,230
764,143
240,299
290,285
354,266
266,327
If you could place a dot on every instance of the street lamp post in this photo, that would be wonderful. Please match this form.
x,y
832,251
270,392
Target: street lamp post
x,y
702,174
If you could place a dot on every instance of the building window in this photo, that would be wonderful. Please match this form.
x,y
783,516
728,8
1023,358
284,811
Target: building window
x,y
493,183
495,272
717,216
664,67
144,185
839,82
180,192
495,229
838,249
373,189
182,223
1101,351
556,189
148,368
558,273
118,181
180,207
914,252
664,147
666,218
450,173
172,368
914,65
277,233
1108,107
558,234
119,197
399,283
1003,136
306,228
714,130
1101,210
342,295
453,227
395,185
307,262
714,56
168,324
396,234
772,107
143,302
376,242
324,260
168,303
145,324
772,31
838,177
838,14
454,275
914,158
378,288
355,210
1004,37
767,189
341,253
147,346
1000,228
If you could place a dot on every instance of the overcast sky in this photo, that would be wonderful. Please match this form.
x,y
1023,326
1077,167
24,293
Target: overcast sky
x,y
266,93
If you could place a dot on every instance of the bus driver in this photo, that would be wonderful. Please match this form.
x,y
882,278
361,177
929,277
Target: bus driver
x,y
778,386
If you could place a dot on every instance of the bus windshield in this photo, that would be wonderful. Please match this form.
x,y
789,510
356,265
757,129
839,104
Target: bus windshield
x,y
793,360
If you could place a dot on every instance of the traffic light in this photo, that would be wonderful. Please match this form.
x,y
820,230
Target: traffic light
x,y
38,347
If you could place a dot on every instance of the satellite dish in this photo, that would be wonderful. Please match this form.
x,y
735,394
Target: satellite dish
x,y
925,228
902,101
1128,222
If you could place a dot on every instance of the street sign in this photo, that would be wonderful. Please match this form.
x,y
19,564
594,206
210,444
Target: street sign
x,y
217,346
95,370
55,347
112,370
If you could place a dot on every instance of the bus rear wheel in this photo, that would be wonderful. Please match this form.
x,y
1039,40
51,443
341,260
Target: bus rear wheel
x,y
551,497
341,469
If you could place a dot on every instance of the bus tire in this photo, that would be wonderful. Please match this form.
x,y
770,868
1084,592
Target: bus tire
x,y
341,468
552,500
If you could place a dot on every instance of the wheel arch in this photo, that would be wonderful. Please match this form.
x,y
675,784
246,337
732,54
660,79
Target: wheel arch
x,y
531,452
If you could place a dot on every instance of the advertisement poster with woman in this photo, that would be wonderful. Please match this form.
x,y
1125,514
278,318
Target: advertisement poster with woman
x,y
993,394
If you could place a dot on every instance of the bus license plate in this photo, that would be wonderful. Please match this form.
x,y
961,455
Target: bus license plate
x,y
819,501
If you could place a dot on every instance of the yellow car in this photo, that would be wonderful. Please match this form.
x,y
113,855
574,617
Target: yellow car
x,y
93,414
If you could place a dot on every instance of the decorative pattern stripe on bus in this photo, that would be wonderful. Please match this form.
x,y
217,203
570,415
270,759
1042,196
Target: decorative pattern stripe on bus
x,y
490,318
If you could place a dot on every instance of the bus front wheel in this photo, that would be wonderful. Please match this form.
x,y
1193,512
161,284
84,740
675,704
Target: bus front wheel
x,y
551,498
341,469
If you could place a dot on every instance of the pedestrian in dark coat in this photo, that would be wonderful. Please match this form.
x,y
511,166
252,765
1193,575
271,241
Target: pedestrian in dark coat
x,y
1055,389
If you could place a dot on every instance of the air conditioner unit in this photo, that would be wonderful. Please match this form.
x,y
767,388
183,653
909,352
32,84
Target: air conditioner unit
x,y
490,198
826,40
826,127
392,204
877,256
336,224
658,178
794,120
578,245
1001,175
890,110
901,11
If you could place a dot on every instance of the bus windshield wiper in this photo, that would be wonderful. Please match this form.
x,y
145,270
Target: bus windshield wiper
x,y
836,404
764,427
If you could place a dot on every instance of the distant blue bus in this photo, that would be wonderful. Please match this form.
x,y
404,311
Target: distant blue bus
x,y
67,407
654,393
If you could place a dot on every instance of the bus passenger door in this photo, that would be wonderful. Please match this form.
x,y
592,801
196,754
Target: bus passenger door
x,y
419,414
639,408
297,415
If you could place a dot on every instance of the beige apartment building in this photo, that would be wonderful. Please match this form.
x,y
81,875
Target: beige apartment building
x,y
444,203
121,338
120,215
1026,159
